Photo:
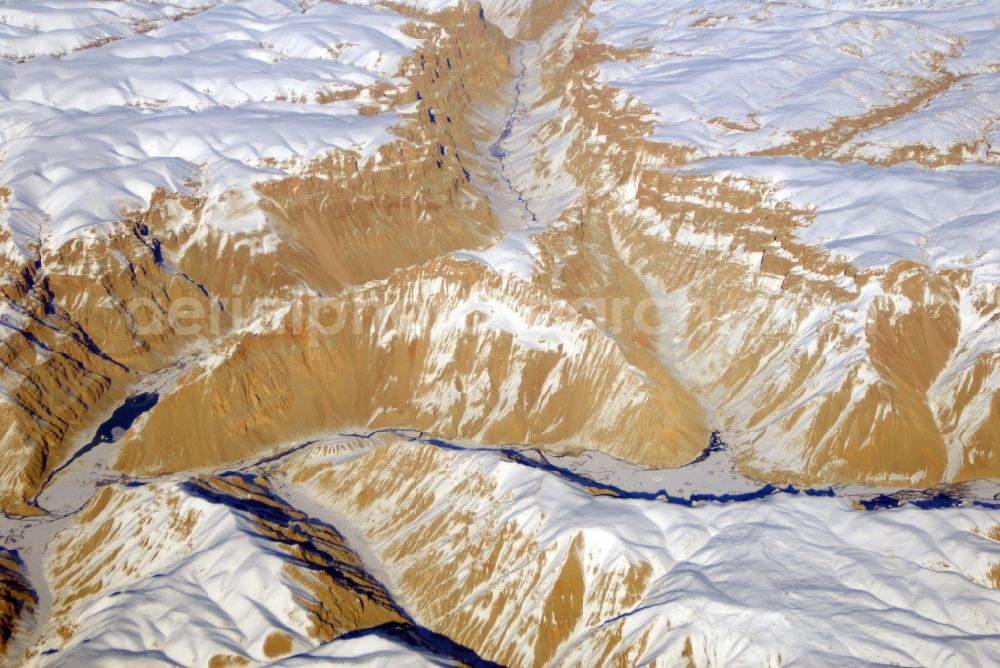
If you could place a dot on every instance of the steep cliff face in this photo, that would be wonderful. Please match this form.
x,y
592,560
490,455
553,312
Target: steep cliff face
x,y
93,314
816,327
18,598
366,332
84,323
450,348
516,596
812,366
596,579
702,280
139,556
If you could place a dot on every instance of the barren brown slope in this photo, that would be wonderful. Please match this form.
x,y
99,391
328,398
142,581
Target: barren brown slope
x,y
17,598
421,350
488,578
434,360
807,363
126,301
697,296
125,536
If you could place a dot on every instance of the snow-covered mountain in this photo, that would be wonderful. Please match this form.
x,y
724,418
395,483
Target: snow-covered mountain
x,y
439,332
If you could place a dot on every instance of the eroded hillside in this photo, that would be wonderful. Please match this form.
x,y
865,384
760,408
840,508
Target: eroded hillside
x,y
383,332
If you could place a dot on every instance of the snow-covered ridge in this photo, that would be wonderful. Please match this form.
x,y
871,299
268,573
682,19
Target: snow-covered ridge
x,y
738,76
963,114
876,215
30,28
227,574
789,580
215,101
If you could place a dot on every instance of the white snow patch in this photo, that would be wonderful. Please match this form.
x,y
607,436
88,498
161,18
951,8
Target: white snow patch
x,y
875,216
742,76
964,114
214,102
809,579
